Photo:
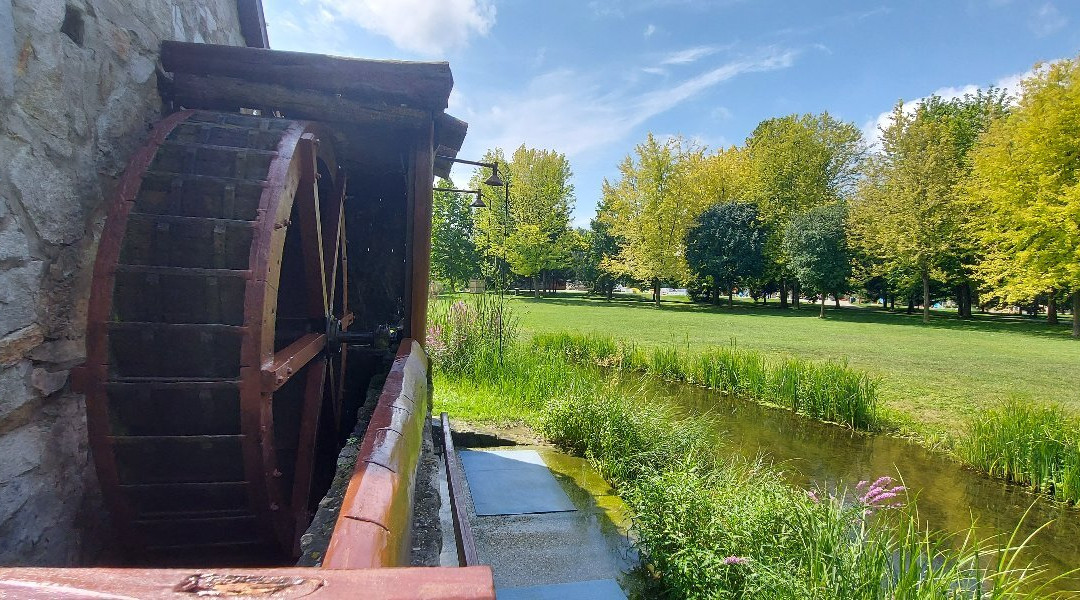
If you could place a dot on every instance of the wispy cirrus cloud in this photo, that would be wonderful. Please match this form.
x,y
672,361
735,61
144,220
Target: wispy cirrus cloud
x,y
576,113
689,55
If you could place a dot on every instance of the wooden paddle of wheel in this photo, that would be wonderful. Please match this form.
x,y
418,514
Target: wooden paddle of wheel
x,y
211,384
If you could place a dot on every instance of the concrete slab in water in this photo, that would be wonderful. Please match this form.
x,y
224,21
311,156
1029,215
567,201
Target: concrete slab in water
x,y
600,589
512,482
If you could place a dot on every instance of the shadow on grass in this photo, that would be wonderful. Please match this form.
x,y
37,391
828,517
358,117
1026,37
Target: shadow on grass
x,y
988,323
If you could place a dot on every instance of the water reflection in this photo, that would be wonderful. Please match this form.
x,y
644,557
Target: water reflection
x,y
818,455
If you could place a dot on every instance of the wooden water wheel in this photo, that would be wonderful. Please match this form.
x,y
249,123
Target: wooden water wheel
x,y
214,372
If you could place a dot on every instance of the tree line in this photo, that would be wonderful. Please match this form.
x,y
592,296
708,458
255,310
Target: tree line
x,y
972,199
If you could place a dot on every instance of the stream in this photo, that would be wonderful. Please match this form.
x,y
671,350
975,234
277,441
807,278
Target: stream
x,y
819,455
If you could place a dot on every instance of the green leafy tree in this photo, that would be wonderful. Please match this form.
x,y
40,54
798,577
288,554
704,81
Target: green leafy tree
x,y
596,247
795,163
816,245
726,246
906,214
453,255
1025,184
530,232
650,208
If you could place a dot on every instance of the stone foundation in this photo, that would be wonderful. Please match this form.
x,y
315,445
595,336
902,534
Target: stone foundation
x,y
78,93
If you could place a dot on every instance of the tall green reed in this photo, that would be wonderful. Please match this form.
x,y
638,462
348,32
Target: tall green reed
x,y
1030,444
827,391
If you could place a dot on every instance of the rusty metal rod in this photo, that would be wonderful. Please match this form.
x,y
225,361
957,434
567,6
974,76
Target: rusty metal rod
x,y
466,545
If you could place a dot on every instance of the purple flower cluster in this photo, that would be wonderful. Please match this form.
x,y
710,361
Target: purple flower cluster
x,y
879,493
736,560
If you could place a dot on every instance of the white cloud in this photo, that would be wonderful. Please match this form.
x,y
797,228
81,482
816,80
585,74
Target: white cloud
x,y
720,113
1047,20
421,26
650,30
577,113
689,55
1009,83
541,56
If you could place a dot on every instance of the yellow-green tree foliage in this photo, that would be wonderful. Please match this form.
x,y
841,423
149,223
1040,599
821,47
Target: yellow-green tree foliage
x,y
651,207
1024,186
531,232
907,214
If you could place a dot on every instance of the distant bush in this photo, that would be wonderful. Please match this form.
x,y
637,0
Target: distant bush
x,y
827,391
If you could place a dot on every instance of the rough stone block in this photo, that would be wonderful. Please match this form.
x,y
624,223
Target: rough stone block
x,y
50,196
65,353
15,345
18,294
7,51
14,393
48,382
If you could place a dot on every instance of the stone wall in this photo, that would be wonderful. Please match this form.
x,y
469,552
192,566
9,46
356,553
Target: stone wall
x,y
78,92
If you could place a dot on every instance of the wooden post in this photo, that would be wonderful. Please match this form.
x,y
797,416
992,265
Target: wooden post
x,y
423,178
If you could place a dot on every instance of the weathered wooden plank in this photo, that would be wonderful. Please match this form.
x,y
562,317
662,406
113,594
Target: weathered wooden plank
x,y
231,94
414,84
449,135
252,23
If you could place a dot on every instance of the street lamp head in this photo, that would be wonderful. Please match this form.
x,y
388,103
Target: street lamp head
x,y
494,180
478,203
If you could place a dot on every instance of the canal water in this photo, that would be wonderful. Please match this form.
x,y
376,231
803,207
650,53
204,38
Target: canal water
x,y
823,456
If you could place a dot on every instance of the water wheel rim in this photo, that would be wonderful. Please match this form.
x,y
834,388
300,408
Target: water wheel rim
x,y
268,500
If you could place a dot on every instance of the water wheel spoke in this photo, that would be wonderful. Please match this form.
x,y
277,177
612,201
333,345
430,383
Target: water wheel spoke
x,y
333,224
306,448
310,223
344,264
289,360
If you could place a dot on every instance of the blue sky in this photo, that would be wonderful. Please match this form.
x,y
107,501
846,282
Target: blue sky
x,y
591,78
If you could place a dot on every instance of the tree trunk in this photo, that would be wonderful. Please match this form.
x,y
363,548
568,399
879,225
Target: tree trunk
x,y
926,297
656,292
910,303
892,302
536,289
836,298
885,301
821,315
795,293
783,293
730,300
1076,314
715,293
965,300
1051,308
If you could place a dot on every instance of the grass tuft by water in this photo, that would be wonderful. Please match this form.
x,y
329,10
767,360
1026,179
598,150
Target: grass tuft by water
x,y
828,391
1033,445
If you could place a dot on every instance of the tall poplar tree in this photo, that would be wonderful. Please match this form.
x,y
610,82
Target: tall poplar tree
x,y
907,212
650,208
1025,183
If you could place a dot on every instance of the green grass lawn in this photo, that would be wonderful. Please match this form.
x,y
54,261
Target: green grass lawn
x,y
930,373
